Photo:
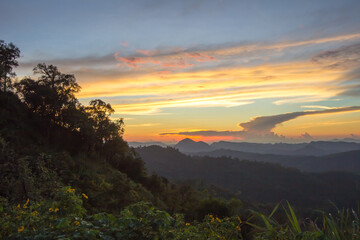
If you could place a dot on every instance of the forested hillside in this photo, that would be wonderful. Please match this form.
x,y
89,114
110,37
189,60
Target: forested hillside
x,y
344,161
257,181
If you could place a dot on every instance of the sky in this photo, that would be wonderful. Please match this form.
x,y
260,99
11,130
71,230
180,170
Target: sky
x,y
257,71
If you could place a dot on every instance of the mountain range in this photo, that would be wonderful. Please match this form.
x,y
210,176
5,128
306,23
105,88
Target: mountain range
x,y
260,181
314,148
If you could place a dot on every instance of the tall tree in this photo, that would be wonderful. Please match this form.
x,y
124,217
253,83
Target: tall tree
x,y
51,94
105,129
8,55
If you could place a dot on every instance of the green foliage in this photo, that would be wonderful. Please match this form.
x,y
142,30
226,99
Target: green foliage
x,y
65,218
344,224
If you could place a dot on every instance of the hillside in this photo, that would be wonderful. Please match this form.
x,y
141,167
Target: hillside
x,y
344,161
48,141
257,181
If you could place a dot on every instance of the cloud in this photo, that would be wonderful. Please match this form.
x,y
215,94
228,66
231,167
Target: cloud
x,y
269,137
173,58
316,106
142,125
147,52
213,76
228,54
265,124
260,128
346,57
307,136
201,57
156,105
352,92
255,48
87,61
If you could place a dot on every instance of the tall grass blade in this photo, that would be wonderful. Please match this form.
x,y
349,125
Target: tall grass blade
x,y
293,219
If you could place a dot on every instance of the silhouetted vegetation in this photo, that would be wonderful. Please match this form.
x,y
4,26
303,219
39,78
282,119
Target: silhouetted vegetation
x,y
50,140
8,55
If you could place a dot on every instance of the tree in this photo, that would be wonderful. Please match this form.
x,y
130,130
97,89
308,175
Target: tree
x,y
8,55
53,92
105,129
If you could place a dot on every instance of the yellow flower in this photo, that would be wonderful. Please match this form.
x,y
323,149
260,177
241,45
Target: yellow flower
x,y
70,190
84,195
218,219
21,228
211,216
34,229
238,228
51,209
18,206
34,213
25,205
56,210
187,224
77,223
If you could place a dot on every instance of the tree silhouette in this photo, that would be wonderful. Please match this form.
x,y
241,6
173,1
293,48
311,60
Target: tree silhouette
x,y
8,55
53,92
104,128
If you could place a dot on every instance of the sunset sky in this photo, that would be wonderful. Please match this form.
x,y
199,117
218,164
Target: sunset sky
x,y
258,71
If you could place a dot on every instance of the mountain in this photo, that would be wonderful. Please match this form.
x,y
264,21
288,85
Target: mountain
x,y
265,148
257,181
345,161
315,148
145,144
188,145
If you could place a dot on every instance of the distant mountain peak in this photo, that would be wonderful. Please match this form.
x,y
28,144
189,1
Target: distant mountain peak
x,y
188,145
187,140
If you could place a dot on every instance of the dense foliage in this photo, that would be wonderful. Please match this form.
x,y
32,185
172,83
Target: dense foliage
x,y
64,217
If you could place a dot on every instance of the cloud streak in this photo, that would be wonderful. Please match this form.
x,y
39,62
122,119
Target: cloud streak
x,y
227,74
260,128
173,60
265,124
345,57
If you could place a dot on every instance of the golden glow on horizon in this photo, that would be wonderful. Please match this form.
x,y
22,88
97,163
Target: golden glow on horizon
x,y
146,92
235,87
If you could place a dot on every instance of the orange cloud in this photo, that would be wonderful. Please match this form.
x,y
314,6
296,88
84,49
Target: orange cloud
x,y
147,52
134,62
178,63
201,57
166,58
